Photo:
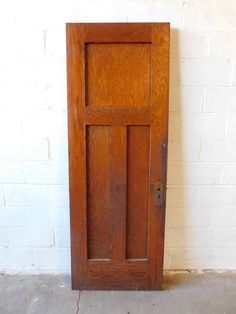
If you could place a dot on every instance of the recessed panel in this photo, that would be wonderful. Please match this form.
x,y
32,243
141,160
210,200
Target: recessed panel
x,y
118,74
98,191
137,191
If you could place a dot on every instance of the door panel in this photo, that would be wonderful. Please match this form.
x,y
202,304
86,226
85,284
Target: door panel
x,y
118,117
138,141
98,191
118,74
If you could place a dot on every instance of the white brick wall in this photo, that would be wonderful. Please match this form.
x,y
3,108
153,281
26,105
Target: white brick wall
x,y
201,203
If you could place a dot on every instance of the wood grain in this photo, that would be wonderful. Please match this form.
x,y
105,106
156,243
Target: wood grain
x,y
137,190
118,32
118,76
77,153
118,193
98,191
107,115
114,278
158,152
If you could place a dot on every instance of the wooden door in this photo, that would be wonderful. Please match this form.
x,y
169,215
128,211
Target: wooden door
x,y
118,117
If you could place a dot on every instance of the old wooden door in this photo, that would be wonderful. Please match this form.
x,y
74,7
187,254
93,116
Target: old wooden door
x,y
118,116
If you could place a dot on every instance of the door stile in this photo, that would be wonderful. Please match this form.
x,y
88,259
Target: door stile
x,y
158,163
163,35
77,152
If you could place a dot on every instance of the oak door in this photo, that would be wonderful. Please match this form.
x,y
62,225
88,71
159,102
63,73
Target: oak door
x,y
118,117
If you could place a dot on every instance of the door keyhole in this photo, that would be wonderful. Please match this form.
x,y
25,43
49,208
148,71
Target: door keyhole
x,y
159,195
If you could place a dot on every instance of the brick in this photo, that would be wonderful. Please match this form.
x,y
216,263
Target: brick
x,y
7,16
29,43
218,150
187,238
12,172
47,71
200,72
17,72
183,149
229,174
28,195
5,77
225,217
5,94
10,124
188,217
16,257
13,216
216,196
44,124
190,258
61,196
224,258
46,172
56,98
221,99
182,197
87,11
56,43
234,72
23,148
4,240
35,237
62,237
212,125
55,72
215,15
223,238
186,99
194,72
161,11
189,44
34,148
174,75
48,217
52,259
41,13
219,72
193,173
59,148
231,130
34,99
166,259
223,45
8,45
2,198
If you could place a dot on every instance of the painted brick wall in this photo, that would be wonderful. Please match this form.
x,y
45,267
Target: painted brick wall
x,y
201,213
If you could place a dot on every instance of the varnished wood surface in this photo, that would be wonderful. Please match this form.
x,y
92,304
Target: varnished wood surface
x,y
117,115
117,32
77,154
115,72
118,124
98,191
158,158
138,138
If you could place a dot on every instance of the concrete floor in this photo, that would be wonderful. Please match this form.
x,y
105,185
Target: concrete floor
x,y
183,293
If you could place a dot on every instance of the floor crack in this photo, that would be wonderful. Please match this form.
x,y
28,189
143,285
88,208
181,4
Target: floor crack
x,y
77,304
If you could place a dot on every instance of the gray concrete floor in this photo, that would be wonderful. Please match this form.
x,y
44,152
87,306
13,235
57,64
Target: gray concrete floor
x,y
183,293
